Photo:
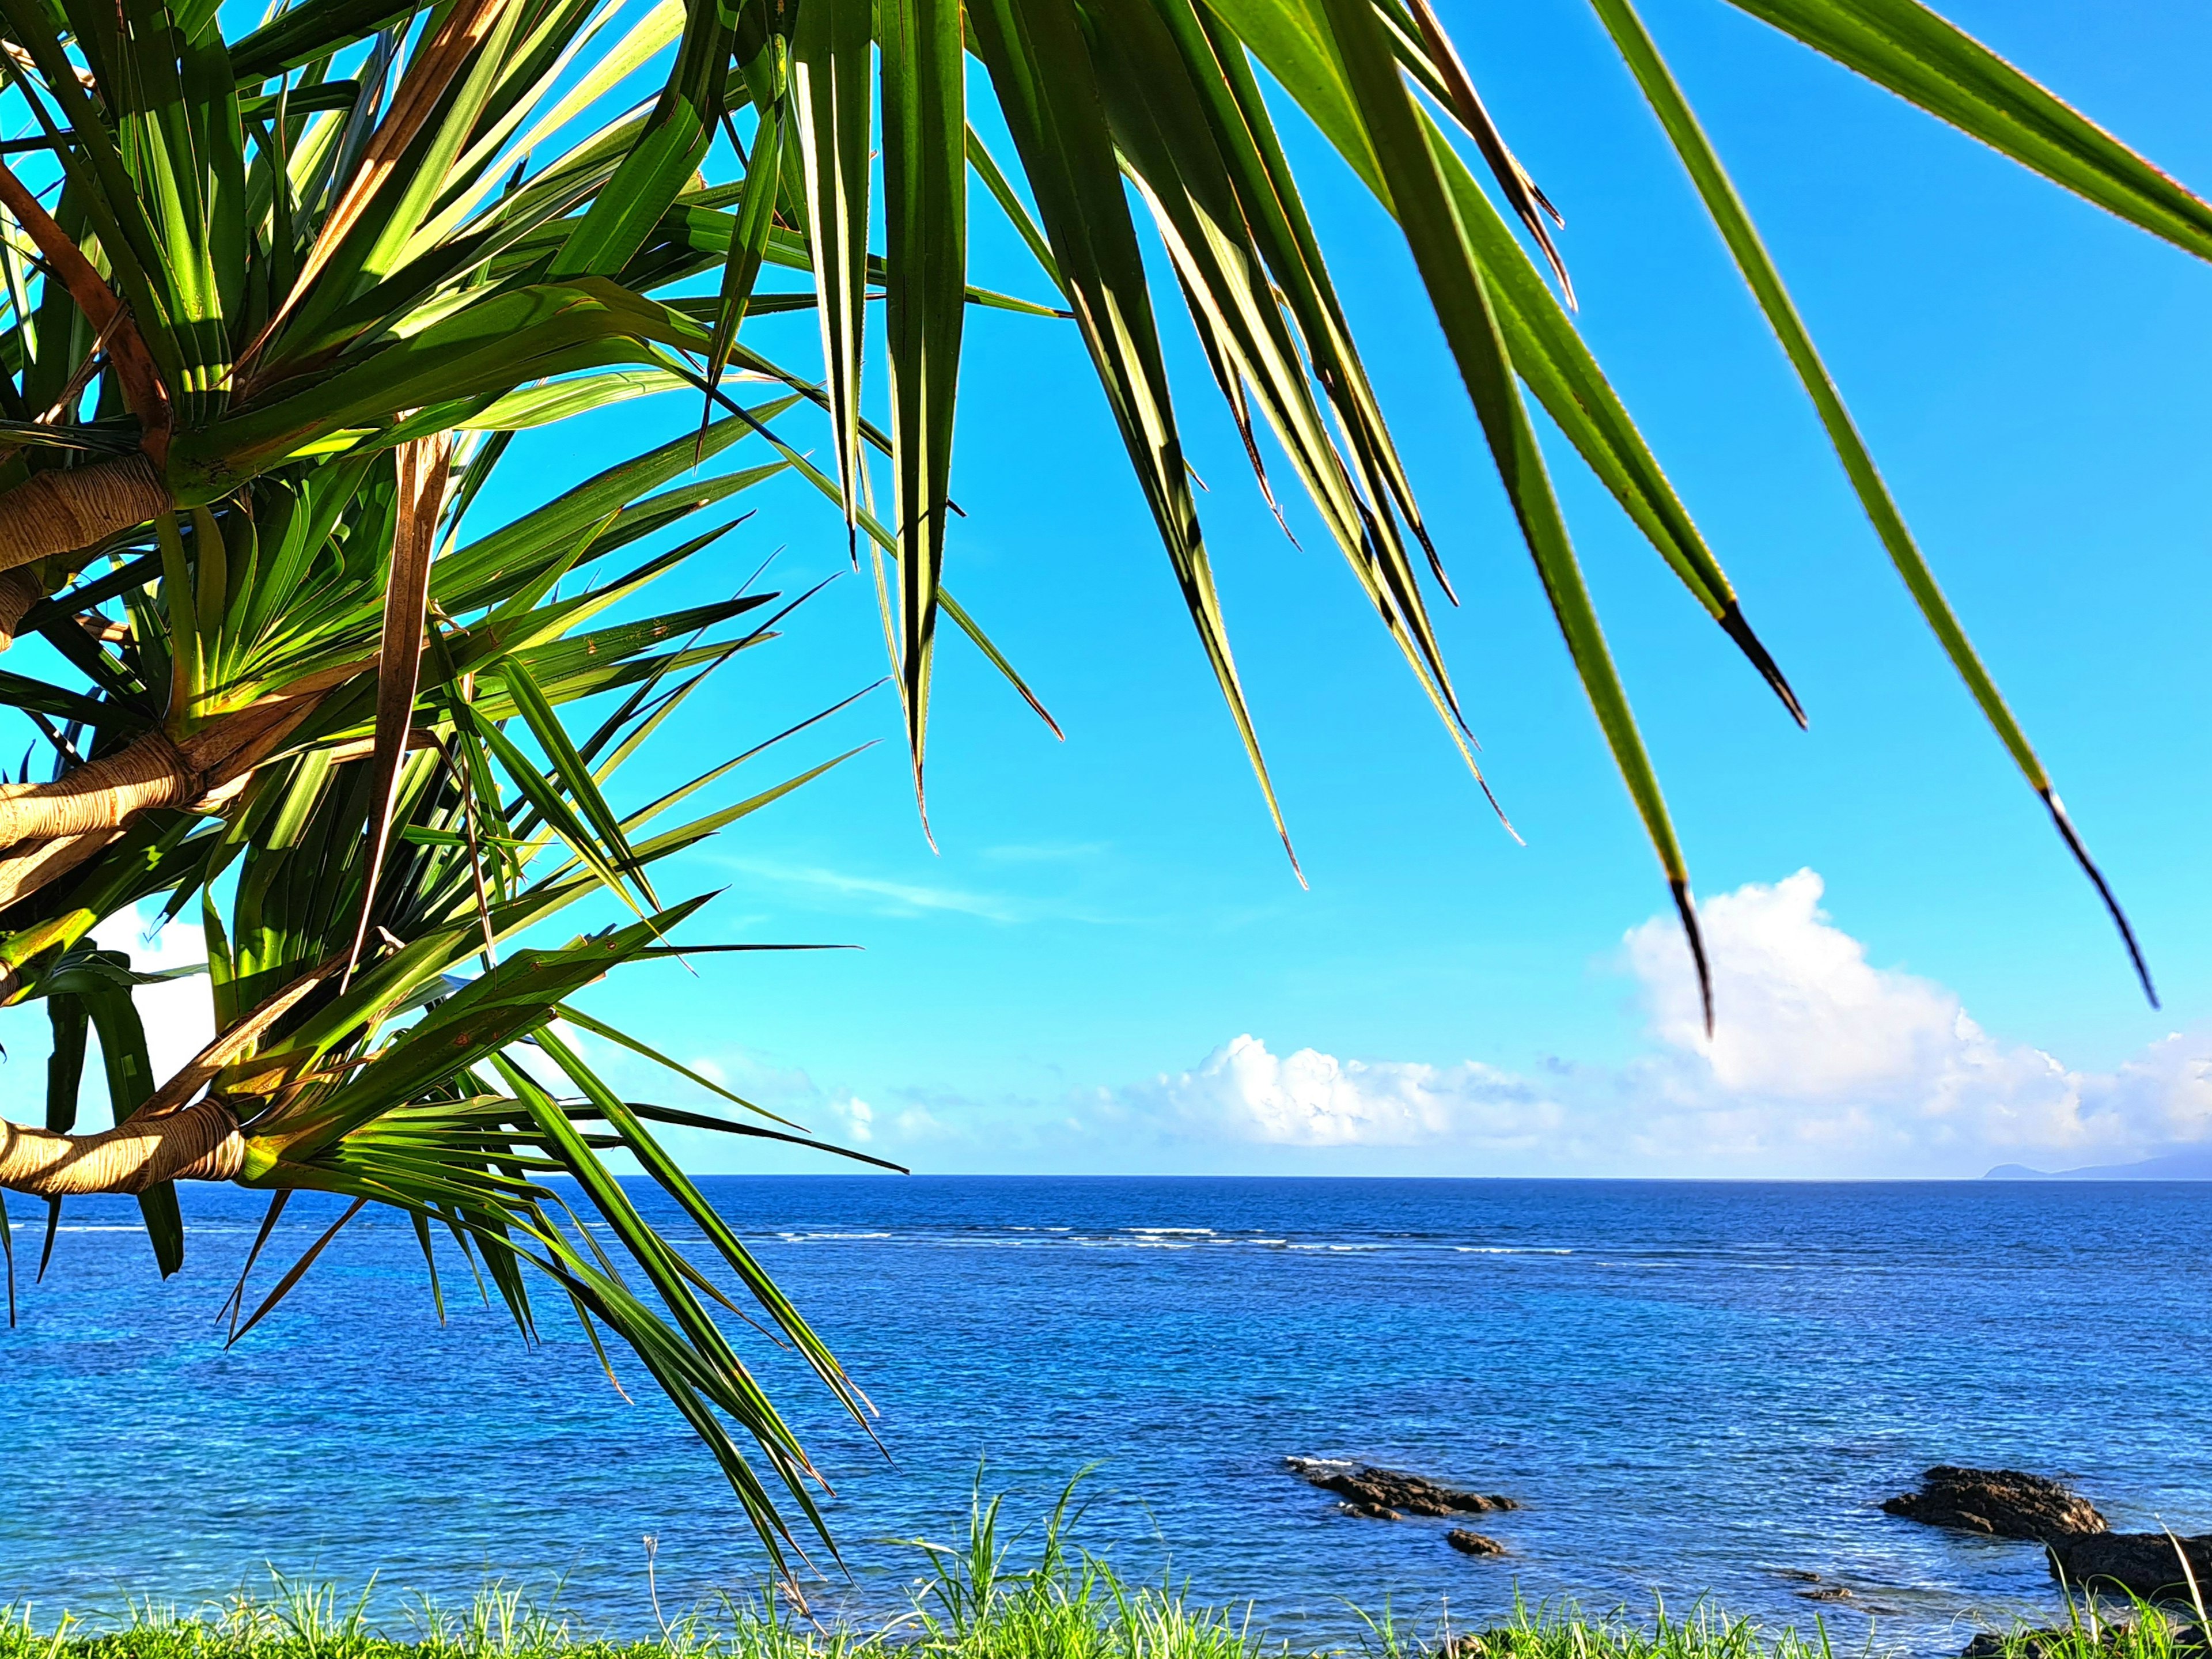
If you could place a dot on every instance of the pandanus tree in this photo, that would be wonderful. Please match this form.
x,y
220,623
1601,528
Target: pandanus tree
x,y
378,1036
237,294
263,288
270,340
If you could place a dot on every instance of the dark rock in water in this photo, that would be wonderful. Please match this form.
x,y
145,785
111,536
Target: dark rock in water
x,y
2112,1637
1826,1593
2000,1503
1387,1494
2146,1564
1473,1543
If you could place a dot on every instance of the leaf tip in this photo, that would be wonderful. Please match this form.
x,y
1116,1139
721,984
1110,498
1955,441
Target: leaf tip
x,y
1733,624
2073,845
1490,796
1686,907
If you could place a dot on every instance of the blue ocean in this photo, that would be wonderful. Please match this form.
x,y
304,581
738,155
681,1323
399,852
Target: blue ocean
x,y
1699,1391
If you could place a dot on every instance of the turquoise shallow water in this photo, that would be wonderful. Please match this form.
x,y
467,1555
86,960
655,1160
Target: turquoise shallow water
x,y
1695,1388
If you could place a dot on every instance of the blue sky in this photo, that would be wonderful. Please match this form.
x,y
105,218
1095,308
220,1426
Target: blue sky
x,y
1112,911
1109,966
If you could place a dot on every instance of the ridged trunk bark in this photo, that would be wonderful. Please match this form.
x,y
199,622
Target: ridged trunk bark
x,y
19,591
36,863
102,794
198,1143
74,507
47,829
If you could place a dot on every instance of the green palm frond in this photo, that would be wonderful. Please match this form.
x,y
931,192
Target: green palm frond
x,y
276,303
1122,108
372,868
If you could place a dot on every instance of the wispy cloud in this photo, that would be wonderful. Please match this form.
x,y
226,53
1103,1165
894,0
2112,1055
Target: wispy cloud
x,y
882,897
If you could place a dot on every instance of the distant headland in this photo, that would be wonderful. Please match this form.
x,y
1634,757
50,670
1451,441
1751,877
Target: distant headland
x,y
2191,1164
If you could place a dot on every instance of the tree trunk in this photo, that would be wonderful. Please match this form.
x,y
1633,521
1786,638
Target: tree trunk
x,y
102,794
200,1143
19,591
47,829
74,507
39,862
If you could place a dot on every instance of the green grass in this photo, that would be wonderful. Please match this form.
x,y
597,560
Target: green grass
x,y
2133,1630
972,1603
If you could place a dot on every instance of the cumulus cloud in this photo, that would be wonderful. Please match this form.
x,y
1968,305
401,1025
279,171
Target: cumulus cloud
x,y
1822,1056
1809,1016
1824,1064
178,1014
1313,1099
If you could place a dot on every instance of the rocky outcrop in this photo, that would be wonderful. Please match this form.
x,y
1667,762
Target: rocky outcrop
x,y
2085,1552
1387,1494
2116,1638
1473,1543
1999,1504
2145,1563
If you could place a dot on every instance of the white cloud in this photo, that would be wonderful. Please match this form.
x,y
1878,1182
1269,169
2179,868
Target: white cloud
x,y
1824,1064
1807,1017
179,1014
1313,1099
898,898
1821,1057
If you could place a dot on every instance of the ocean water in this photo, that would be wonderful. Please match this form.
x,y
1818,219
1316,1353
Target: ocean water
x,y
1697,1390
